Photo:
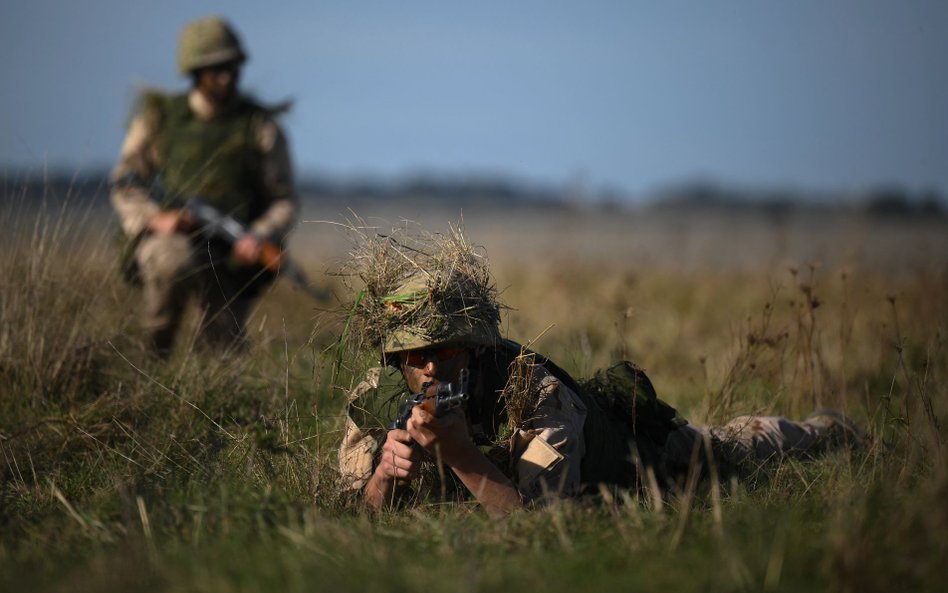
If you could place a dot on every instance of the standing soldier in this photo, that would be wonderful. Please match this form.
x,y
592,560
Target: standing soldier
x,y
222,147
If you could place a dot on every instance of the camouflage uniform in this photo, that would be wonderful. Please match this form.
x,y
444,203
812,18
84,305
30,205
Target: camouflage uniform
x,y
547,454
237,156
543,454
550,435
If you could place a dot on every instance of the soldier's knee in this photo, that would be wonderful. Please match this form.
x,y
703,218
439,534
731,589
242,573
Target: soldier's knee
x,y
163,257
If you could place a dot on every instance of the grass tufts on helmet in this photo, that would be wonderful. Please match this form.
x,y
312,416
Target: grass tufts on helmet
x,y
417,289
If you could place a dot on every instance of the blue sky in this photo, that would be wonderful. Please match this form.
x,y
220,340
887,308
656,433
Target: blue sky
x,y
838,96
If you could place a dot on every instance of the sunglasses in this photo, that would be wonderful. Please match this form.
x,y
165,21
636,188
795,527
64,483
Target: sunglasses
x,y
232,67
419,358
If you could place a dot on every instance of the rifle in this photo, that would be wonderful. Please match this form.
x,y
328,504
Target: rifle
x,y
214,224
446,397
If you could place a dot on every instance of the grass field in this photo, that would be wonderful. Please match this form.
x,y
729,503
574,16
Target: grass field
x,y
215,472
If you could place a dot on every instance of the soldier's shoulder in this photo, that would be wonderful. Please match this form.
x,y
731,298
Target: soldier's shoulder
x,y
377,382
266,111
152,104
151,98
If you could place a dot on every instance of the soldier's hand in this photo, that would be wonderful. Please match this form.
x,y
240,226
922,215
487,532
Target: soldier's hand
x,y
168,222
445,437
399,459
247,250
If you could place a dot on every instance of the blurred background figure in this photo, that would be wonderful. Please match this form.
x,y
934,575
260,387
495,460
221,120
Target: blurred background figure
x,y
218,148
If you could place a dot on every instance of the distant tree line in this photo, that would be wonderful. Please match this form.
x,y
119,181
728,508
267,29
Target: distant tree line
x,y
883,201
486,191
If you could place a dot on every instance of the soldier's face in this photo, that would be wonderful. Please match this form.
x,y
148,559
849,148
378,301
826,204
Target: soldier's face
x,y
219,82
432,365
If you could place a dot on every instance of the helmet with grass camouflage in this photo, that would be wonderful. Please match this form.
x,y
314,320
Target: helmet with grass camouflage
x,y
424,315
422,290
208,42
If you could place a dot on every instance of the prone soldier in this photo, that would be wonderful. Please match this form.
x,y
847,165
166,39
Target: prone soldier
x,y
528,431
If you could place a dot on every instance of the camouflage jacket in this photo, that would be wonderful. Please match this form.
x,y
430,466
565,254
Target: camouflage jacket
x,y
140,161
549,434
540,450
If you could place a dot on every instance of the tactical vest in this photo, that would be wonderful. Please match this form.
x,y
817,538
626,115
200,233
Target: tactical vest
x,y
218,160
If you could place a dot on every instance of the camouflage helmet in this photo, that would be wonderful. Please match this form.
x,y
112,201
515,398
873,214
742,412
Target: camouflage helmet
x,y
421,290
424,315
208,42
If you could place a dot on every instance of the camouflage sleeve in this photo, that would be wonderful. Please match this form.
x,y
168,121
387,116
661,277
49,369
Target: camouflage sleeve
x,y
277,178
547,451
356,456
367,414
136,165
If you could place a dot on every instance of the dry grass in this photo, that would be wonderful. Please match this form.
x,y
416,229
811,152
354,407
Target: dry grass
x,y
216,474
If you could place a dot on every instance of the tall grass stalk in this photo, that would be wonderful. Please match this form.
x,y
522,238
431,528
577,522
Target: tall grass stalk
x,y
216,472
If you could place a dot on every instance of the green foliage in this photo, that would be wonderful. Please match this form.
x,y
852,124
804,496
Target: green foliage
x,y
216,472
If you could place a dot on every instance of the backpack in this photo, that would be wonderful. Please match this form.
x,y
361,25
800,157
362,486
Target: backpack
x,y
625,420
